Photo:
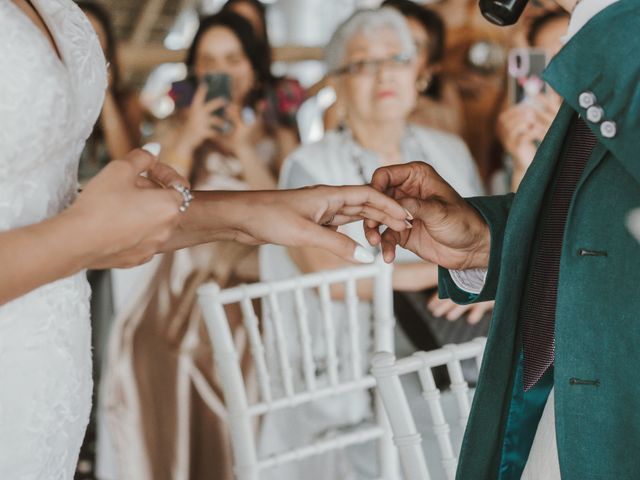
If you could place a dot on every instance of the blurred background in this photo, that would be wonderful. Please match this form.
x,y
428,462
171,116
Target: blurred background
x,y
257,94
154,35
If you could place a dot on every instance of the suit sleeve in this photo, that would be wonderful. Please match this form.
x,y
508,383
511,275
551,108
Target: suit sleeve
x,y
495,211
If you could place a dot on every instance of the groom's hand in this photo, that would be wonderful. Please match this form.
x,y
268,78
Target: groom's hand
x,y
446,229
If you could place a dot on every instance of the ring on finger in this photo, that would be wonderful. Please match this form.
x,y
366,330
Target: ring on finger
x,y
328,223
187,196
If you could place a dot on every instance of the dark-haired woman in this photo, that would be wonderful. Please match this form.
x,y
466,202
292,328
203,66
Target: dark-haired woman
x,y
439,104
239,149
284,95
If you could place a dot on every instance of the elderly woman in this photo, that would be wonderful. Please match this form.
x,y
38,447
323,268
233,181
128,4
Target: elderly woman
x,y
373,59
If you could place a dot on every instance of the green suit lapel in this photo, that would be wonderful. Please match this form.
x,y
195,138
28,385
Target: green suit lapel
x,y
585,64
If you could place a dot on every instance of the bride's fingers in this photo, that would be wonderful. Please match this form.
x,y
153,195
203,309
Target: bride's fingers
x,y
359,196
341,245
340,219
366,212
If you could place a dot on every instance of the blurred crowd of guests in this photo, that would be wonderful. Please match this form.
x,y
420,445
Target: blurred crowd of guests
x,y
411,83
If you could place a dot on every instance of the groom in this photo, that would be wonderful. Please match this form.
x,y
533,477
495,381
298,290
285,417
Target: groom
x,y
562,360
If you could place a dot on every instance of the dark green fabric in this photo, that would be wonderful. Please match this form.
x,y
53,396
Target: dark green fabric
x,y
522,422
526,408
597,327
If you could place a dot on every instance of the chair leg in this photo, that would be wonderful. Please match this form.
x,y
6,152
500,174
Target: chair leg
x,y
183,397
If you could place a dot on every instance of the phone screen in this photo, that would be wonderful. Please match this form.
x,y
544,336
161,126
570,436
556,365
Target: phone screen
x,y
525,73
218,86
182,92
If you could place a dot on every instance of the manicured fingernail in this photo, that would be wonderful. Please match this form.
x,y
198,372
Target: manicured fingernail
x,y
153,148
409,216
362,255
408,224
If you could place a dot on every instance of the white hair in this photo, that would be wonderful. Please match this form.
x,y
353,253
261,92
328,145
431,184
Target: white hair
x,y
368,22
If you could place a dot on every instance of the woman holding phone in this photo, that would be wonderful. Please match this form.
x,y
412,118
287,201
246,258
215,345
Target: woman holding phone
x,y
222,138
51,90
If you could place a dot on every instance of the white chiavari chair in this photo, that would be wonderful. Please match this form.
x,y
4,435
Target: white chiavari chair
x,y
343,377
400,409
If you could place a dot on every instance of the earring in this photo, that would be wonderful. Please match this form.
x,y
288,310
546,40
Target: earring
x,y
423,82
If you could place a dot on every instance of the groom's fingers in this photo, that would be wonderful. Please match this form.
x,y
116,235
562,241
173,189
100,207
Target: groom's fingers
x,y
373,236
430,212
386,178
414,179
141,160
388,242
166,175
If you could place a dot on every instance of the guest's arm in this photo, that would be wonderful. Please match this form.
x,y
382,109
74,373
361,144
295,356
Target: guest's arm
x,y
120,136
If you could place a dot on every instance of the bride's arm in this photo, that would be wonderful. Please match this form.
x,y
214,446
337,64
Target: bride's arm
x,y
38,254
114,223
306,216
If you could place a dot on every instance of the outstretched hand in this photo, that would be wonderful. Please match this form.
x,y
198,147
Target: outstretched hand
x,y
310,217
446,229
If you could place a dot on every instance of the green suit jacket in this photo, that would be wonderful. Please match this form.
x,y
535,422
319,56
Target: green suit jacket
x,y
598,306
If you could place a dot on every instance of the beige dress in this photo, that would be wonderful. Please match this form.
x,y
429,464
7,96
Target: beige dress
x,y
162,394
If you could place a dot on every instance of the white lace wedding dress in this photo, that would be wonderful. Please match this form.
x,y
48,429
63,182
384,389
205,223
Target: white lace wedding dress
x,y
47,110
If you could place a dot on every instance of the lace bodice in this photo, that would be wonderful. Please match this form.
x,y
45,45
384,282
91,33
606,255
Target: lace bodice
x,y
48,107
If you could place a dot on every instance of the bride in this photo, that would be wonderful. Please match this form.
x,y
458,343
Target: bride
x,y
52,80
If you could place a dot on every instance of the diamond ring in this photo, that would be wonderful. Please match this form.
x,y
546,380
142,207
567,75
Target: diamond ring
x,y
187,196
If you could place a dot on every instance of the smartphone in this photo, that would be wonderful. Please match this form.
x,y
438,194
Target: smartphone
x,y
218,86
525,67
182,92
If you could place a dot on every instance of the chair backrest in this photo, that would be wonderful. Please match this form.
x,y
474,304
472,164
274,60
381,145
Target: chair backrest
x,y
406,436
299,384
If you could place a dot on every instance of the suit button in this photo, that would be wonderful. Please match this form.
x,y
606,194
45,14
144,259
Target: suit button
x,y
587,99
608,129
595,114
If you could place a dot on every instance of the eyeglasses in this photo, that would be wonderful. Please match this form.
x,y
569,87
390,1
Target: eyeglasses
x,y
372,67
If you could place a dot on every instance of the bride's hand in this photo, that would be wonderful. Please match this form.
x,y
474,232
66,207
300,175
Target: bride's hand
x,y
125,217
310,217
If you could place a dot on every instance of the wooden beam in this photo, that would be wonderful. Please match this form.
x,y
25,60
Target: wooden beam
x,y
136,58
293,53
147,18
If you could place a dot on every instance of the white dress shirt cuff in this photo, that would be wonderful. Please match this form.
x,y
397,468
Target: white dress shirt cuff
x,y
471,280
585,11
